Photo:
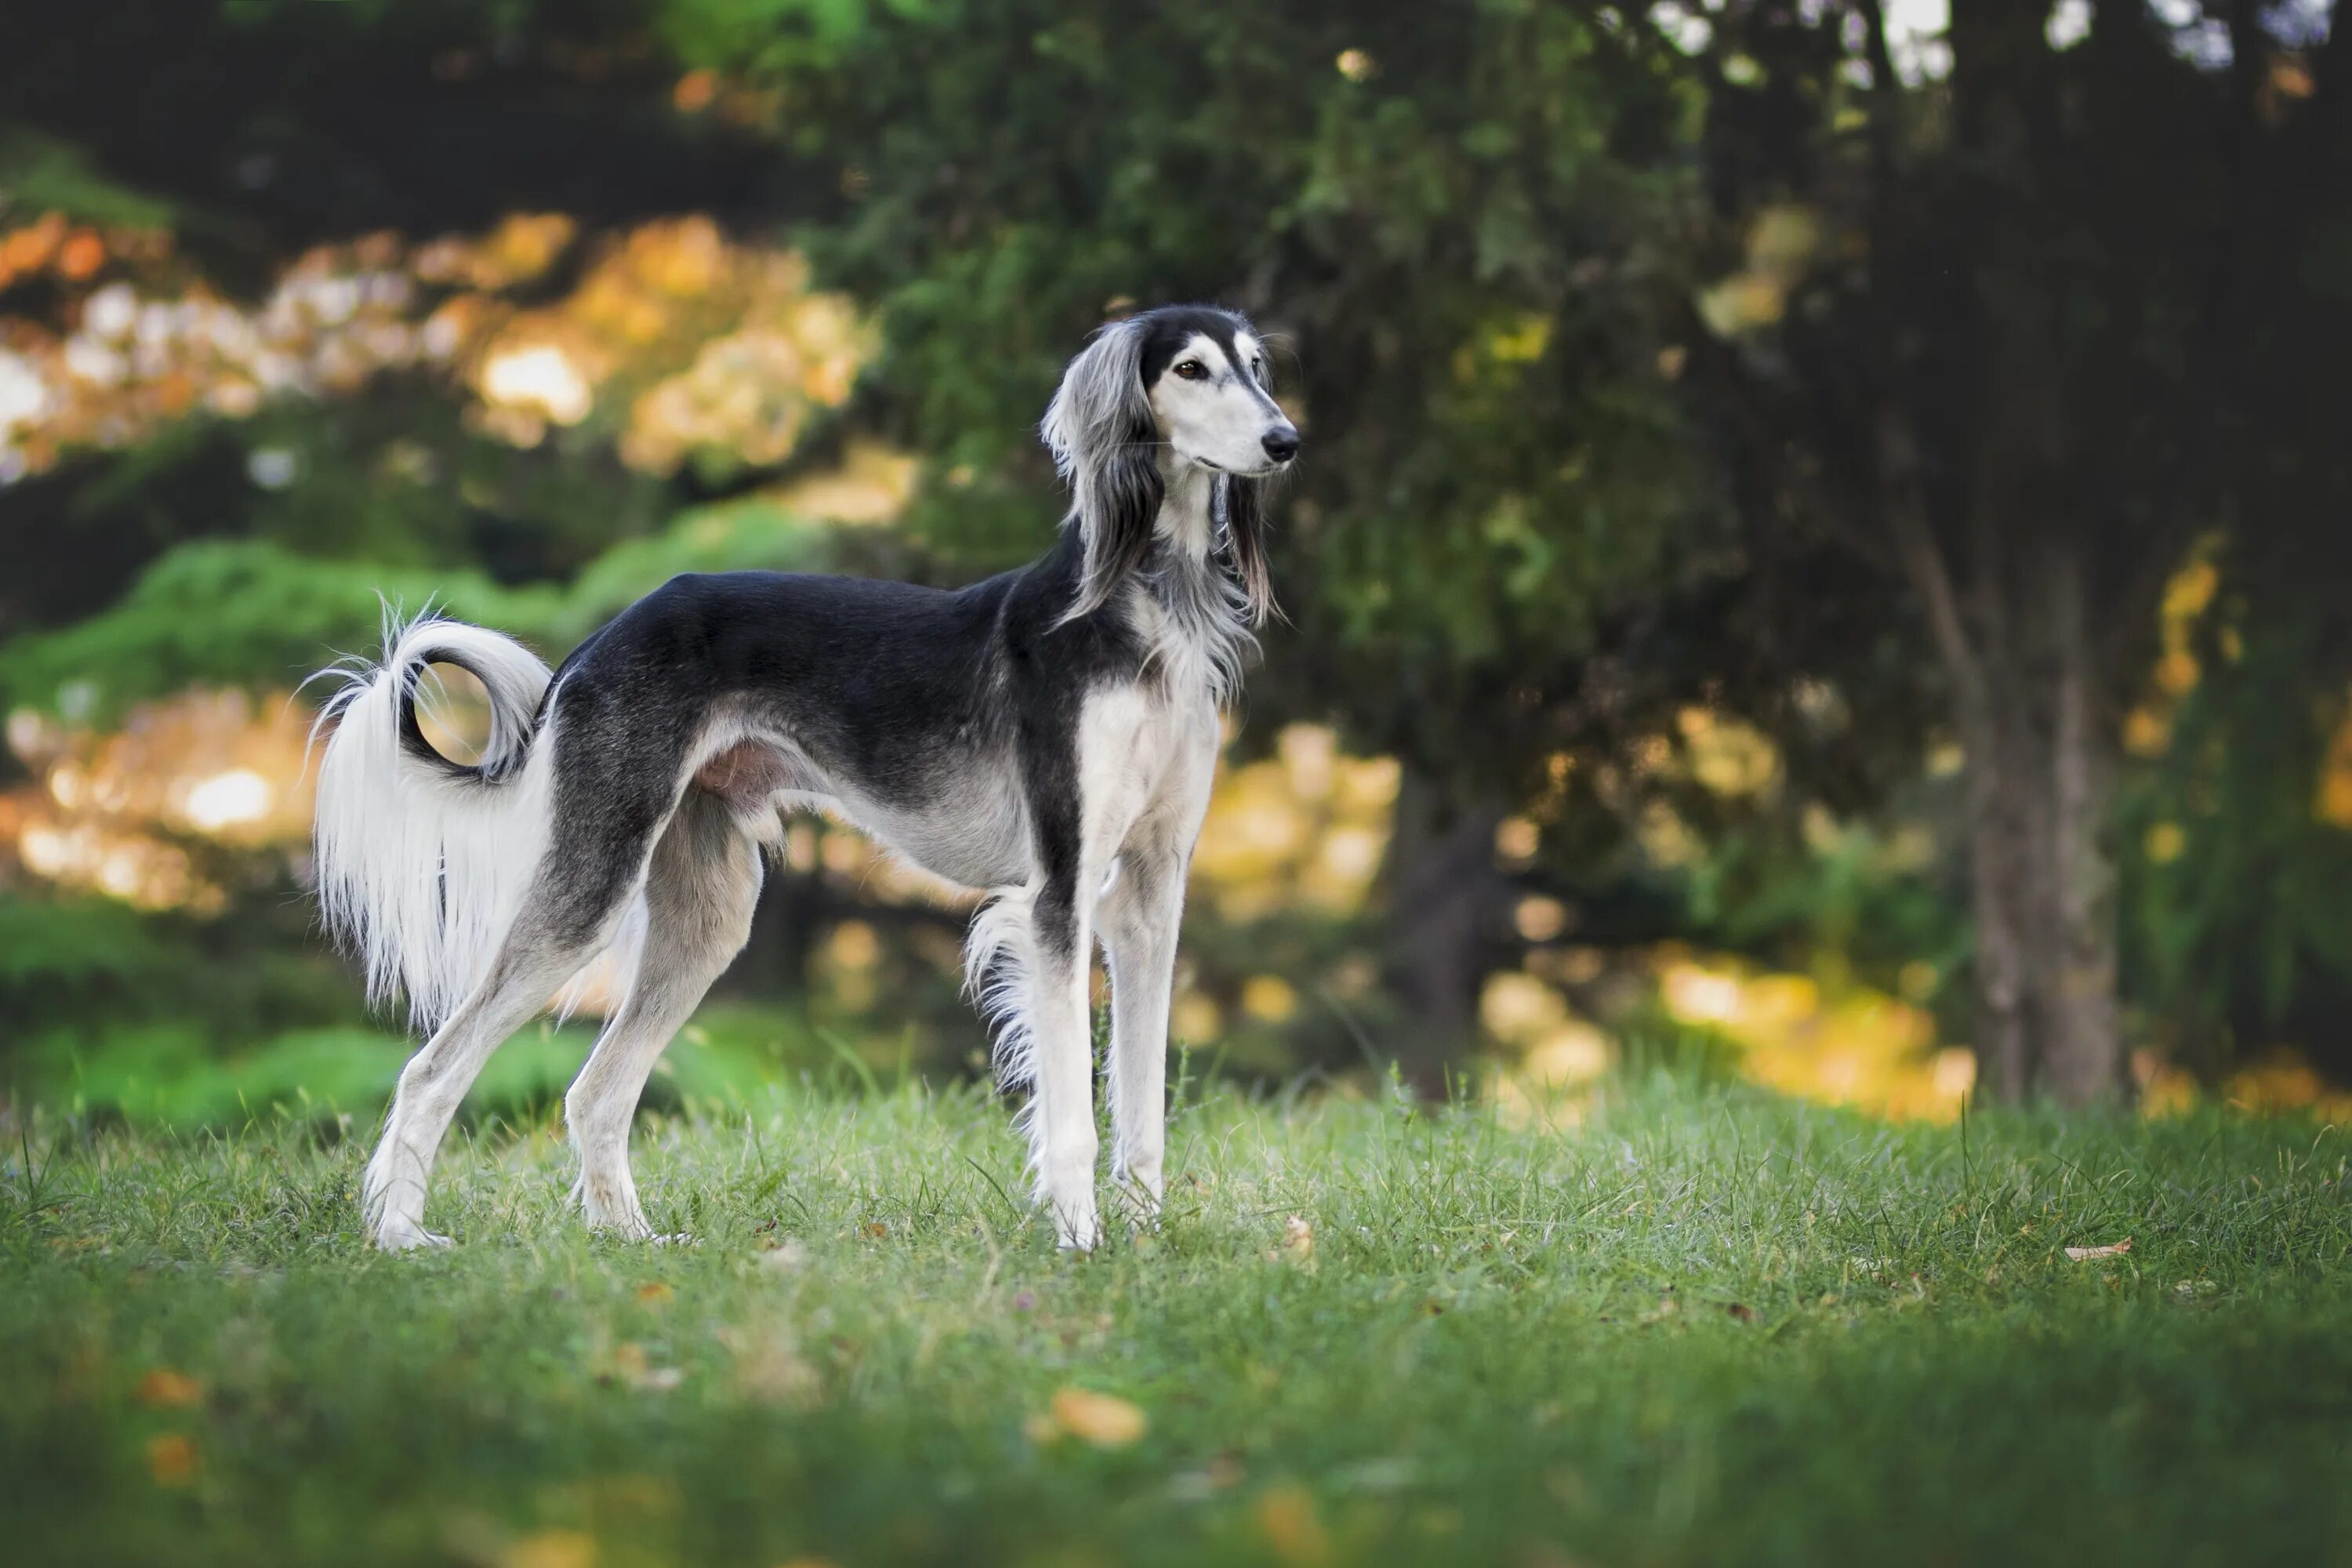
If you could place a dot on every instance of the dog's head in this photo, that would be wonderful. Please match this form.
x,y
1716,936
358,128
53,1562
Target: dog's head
x,y
1182,386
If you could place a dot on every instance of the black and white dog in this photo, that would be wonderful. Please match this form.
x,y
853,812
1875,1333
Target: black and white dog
x,y
1048,736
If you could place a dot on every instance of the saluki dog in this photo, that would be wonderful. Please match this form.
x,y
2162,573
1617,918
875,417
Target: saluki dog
x,y
1047,736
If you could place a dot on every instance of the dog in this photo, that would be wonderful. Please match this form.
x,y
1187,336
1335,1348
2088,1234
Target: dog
x,y
1047,737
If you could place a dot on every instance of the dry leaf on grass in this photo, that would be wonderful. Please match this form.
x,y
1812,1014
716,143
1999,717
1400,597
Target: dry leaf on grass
x,y
171,1460
1293,1527
1298,1242
631,1365
163,1389
2114,1249
551,1549
788,1253
1104,1420
770,1368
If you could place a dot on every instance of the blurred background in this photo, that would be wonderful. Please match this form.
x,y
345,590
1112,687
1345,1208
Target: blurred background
x,y
1820,554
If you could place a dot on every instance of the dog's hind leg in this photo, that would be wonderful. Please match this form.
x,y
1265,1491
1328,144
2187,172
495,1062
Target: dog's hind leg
x,y
700,887
604,827
532,964
1060,1117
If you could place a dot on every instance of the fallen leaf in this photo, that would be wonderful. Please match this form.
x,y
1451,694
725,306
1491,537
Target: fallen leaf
x,y
630,1363
1293,1527
171,1459
163,1389
1104,1420
655,1291
2114,1249
551,1549
770,1368
1298,1242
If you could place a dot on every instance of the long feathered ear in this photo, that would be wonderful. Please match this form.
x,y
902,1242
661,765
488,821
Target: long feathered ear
x,y
1106,444
1244,538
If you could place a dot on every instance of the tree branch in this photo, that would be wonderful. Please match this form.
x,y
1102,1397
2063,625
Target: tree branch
x,y
1924,564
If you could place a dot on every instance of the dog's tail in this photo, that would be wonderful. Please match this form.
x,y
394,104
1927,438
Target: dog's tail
x,y
422,861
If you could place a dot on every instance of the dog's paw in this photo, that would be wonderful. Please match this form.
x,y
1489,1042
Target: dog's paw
x,y
406,1235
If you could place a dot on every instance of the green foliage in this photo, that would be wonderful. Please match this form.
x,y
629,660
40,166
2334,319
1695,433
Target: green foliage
x,y
772,35
250,612
227,613
41,174
1495,462
2238,936
1702,1327
86,945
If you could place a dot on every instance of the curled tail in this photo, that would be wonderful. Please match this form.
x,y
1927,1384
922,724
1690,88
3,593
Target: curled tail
x,y
422,861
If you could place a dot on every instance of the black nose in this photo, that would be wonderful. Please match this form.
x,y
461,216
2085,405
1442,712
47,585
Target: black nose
x,y
1281,445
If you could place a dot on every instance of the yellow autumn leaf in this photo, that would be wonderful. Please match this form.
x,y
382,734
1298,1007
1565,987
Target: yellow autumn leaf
x,y
1293,1527
551,1549
1104,1420
171,1459
164,1389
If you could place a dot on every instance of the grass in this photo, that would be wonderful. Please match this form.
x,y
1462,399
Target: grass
x,y
1704,1326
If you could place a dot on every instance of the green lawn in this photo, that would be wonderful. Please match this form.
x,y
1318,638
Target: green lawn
x,y
1706,1326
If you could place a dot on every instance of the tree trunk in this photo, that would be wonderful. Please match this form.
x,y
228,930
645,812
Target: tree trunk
x,y
2031,711
2083,1046
1442,890
2000,837
2041,786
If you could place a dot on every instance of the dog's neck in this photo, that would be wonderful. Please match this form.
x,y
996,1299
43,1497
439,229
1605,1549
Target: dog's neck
x,y
1196,617
1187,524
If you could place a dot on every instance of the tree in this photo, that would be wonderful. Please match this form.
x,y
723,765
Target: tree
x,y
1457,216
2047,320
2009,335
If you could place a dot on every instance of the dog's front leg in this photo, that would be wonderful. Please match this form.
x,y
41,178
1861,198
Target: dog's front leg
x,y
1140,917
1141,912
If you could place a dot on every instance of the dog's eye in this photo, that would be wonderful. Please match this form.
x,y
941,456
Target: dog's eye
x,y
1192,370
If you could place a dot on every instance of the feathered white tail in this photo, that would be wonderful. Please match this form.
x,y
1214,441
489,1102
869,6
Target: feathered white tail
x,y
421,861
